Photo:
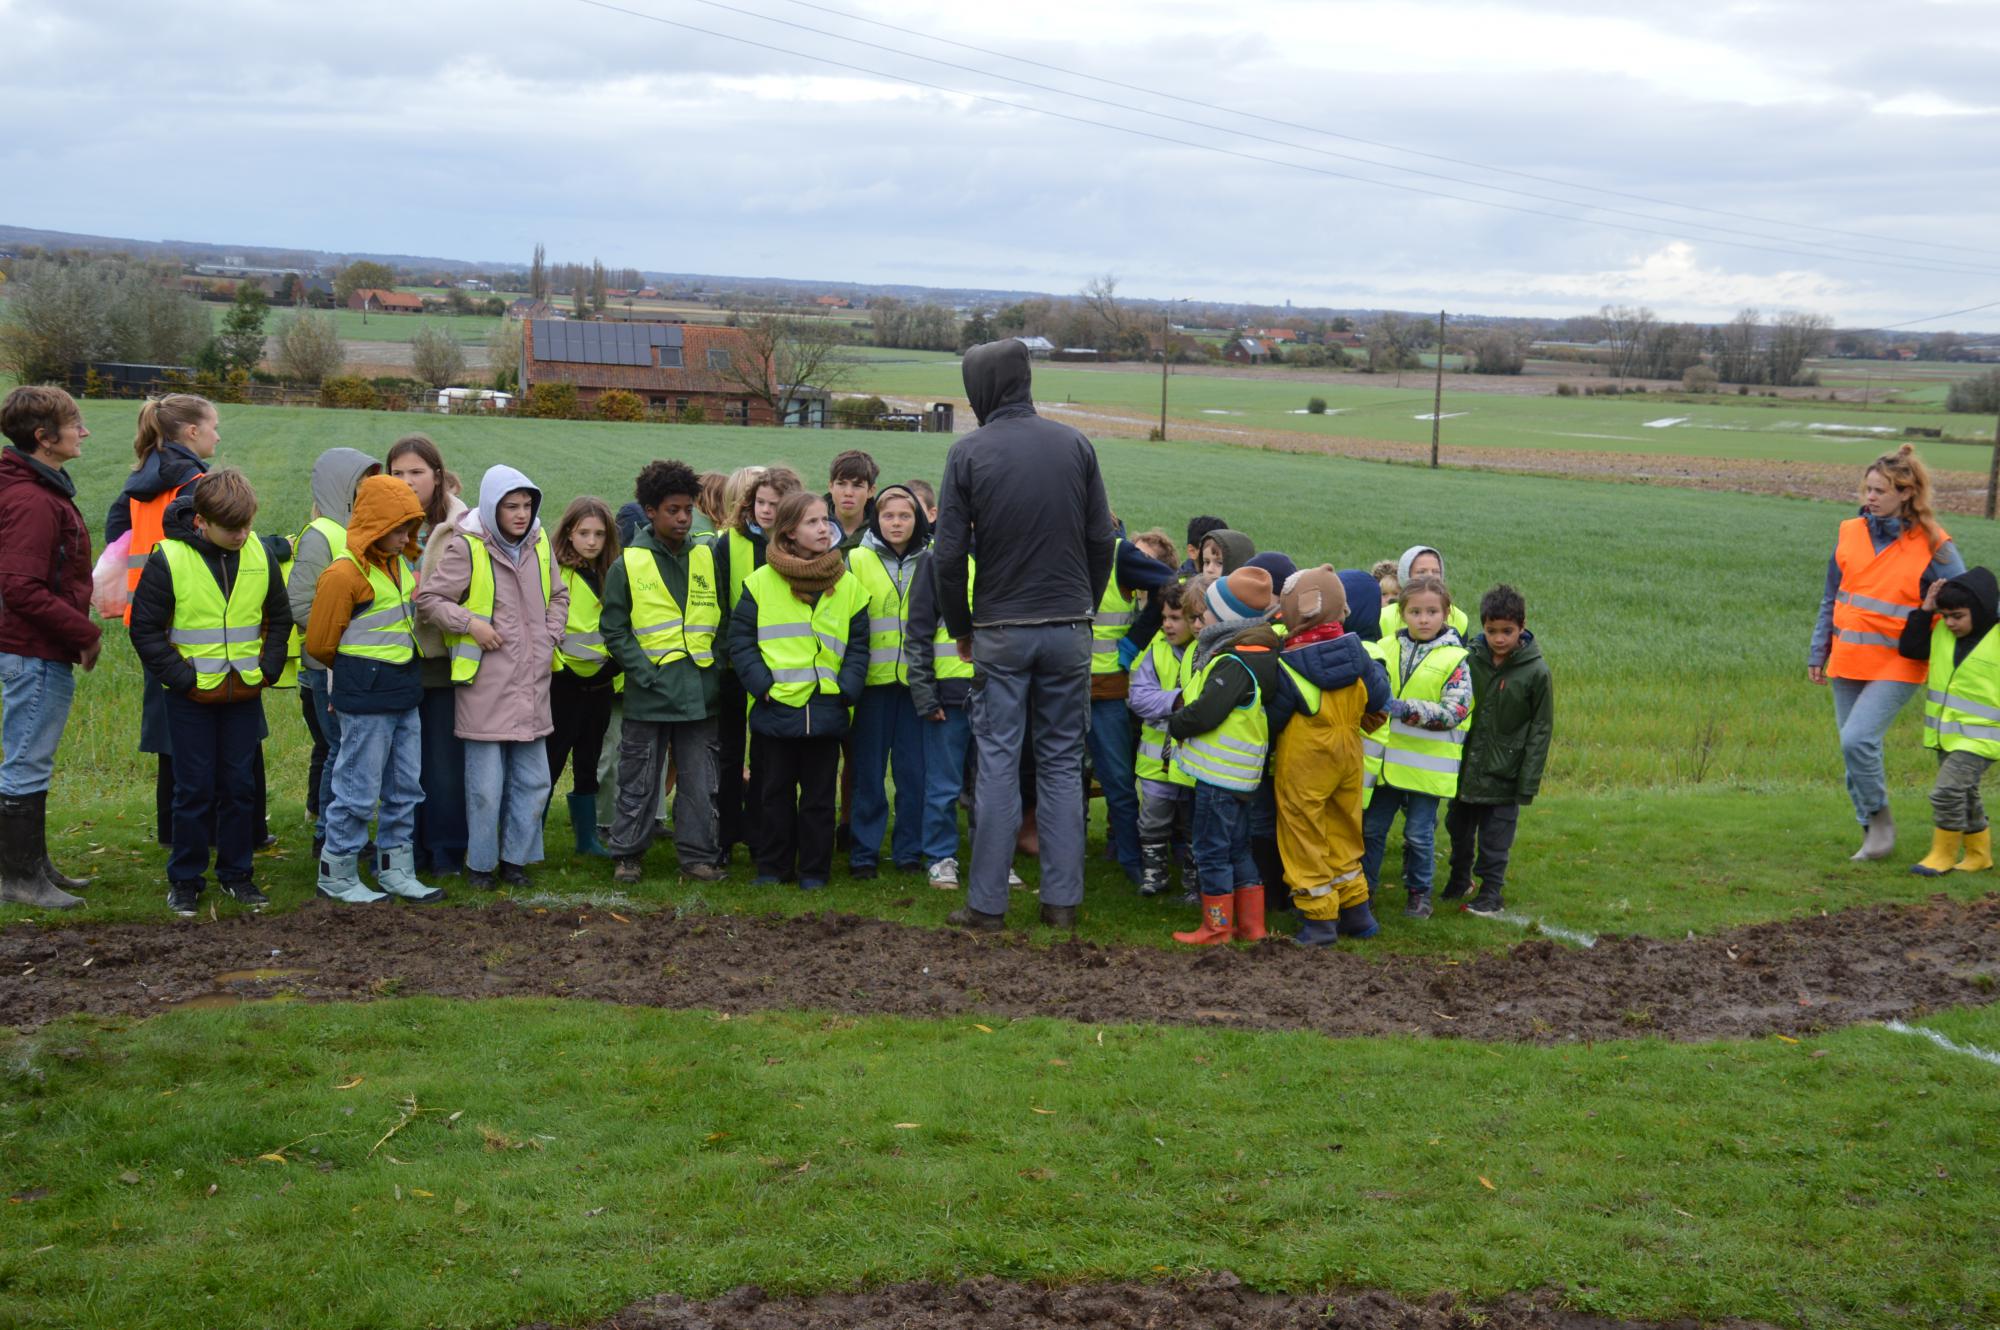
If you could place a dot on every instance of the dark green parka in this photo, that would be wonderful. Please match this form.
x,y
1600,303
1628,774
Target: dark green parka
x,y
1513,719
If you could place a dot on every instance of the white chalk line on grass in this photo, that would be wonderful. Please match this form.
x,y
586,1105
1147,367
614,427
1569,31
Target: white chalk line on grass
x,y
1948,1045
1566,934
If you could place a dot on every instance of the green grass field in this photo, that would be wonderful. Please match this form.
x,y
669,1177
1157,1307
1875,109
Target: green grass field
x,y
1372,407
472,329
1695,785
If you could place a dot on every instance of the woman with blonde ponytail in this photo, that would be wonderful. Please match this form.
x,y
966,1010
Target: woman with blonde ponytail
x,y
177,436
1883,560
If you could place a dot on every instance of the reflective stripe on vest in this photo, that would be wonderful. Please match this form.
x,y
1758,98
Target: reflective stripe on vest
x,y
1115,614
888,613
464,651
382,629
803,646
1158,755
663,630
335,536
1232,754
149,528
295,645
742,558
1414,758
212,634
582,651
1962,701
945,661
1877,592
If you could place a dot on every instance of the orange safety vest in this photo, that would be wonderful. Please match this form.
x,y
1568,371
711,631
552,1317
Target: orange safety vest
x,y
1877,592
149,528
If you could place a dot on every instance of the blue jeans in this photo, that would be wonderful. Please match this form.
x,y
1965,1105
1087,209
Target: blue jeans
x,y
34,706
380,762
317,686
945,744
1864,710
1111,754
886,731
1043,670
215,786
1420,820
506,788
1222,840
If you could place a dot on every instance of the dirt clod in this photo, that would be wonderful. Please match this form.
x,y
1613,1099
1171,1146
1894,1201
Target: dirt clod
x,y
1794,977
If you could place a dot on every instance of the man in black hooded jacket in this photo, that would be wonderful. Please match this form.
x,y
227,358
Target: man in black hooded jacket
x,y
1031,490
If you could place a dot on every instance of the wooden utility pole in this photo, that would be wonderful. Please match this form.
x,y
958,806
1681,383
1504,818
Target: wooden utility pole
x,y
1166,337
1993,473
1437,397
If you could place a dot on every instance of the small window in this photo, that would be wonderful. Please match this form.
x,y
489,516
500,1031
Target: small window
x,y
681,404
718,357
736,409
670,357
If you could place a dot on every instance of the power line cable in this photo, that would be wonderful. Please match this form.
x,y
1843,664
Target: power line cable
x,y
1937,264
1238,153
1948,314
1376,143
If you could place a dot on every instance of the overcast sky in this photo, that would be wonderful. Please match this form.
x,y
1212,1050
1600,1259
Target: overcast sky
x,y
474,130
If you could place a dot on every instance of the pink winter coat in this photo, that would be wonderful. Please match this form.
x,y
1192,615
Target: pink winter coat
x,y
508,700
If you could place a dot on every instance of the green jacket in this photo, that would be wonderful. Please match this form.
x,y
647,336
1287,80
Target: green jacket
x,y
1513,720
678,691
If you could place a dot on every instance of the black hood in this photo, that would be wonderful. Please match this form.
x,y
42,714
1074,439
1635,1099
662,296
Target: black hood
x,y
998,376
1986,595
920,534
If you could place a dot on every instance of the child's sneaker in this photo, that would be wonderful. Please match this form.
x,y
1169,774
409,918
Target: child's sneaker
x,y
1014,881
1455,890
184,898
1487,904
944,874
245,893
705,872
513,875
1419,906
629,872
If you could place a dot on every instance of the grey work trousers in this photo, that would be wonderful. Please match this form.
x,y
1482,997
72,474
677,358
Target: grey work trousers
x,y
644,749
1039,670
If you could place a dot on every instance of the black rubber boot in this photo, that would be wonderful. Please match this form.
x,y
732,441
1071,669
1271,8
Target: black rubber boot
x,y
21,880
1158,873
54,876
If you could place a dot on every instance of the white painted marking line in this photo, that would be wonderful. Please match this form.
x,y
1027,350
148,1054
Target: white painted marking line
x,y
1949,1046
1449,415
1566,934
1666,422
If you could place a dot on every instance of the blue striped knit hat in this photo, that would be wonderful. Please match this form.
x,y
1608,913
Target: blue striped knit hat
x,y
1243,595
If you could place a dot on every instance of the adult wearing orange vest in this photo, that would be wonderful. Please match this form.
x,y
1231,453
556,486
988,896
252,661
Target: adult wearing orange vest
x,y
1882,561
176,437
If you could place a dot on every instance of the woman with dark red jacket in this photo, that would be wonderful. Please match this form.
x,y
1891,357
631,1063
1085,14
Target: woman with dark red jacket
x,y
45,630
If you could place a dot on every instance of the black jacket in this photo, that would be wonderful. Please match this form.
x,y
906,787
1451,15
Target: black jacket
x,y
1032,490
1915,643
920,648
153,601
825,715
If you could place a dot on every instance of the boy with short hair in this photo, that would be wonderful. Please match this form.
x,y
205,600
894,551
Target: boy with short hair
x,y
926,495
660,620
1513,721
1953,630
850,494
1197,531
364,624
1166,790
213,625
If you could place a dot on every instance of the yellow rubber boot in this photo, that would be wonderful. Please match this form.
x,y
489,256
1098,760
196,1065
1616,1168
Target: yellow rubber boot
x,y
1978,851
1943,857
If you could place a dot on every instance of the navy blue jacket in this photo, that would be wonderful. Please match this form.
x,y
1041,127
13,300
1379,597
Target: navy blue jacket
x,y
825,715
1333,664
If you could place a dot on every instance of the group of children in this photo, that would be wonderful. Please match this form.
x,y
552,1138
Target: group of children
x,y
771,656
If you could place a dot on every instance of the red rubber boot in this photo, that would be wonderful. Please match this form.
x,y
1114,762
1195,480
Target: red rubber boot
x,y
1218,923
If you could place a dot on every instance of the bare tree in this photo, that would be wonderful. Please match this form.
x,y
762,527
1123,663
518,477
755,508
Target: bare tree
x,y
503,353
1795,338
599,287
436,356
1735,349
1100,297
788,354
1500,350
1627,328
538,275
309,349
1392,343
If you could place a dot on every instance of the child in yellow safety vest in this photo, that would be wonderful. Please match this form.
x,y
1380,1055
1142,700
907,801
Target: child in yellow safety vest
x,y
586,678
886,729
1953,631
363,625
1166,790
662,617
1416,769
1223,735
799,640
499,596
211,624
1328,682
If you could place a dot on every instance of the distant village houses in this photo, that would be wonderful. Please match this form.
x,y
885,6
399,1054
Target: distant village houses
x,y
374,300
672,366
1247,351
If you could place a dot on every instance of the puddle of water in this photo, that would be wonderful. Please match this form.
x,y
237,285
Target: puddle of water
x,y
257,976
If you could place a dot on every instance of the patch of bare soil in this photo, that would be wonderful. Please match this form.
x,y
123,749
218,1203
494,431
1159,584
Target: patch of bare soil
x,y
1794,977
1219,1301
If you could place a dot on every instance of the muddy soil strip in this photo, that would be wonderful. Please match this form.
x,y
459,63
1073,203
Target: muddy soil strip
x,y
1794,978
1220,1300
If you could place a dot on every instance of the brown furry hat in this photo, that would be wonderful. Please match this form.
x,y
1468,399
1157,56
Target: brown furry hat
x,y
1311,597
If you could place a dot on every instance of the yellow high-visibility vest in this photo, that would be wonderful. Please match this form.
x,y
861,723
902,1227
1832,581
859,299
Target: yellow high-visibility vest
x,y
582,651
1115,613
465,652
1157,759
382,628
1414,758
1232,754
888,614
1962,701
803,646
664,631
213,634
